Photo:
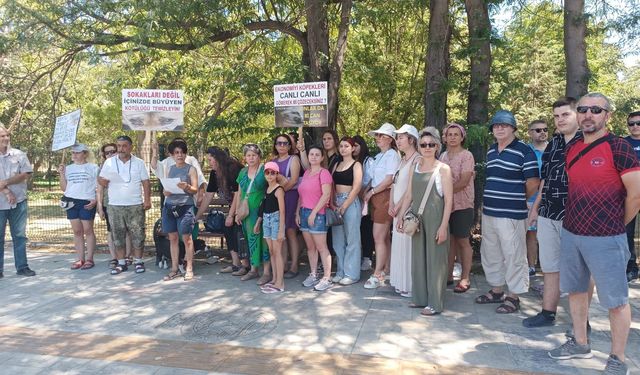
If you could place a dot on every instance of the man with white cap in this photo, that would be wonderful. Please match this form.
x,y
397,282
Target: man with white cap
x,y
384,166
511,177
400,266
15,169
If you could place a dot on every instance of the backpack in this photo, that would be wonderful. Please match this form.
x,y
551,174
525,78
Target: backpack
x,y
215,221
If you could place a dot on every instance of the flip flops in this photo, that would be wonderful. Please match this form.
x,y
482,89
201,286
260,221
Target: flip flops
x,y
87,265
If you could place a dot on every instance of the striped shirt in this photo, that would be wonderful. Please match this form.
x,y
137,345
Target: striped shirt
x,y
506,176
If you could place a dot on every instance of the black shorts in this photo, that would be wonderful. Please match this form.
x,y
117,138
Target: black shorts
x,y
461,222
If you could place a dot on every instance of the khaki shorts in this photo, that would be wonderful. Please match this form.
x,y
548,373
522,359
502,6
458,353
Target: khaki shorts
x,y
549,240
380,207
127,218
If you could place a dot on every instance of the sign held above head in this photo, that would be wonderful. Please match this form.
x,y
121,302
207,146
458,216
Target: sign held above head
x,y
66,129
300,104
152,110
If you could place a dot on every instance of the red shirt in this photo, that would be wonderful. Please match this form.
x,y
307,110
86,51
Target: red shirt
x,y
595,205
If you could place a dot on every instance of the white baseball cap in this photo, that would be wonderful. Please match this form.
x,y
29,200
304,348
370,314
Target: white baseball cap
x,y
386,129
409,129
79,147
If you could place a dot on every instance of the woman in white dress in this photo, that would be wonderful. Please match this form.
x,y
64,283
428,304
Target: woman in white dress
x,y
400,278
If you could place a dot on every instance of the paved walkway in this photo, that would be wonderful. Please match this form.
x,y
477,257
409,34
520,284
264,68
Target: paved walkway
x,y
89,322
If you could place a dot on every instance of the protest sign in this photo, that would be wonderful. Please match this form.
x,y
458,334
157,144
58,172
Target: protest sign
x,y
301,104
64,134
152,110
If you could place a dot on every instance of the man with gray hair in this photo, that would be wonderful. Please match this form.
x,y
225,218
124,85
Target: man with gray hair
x,y
604,195
15,169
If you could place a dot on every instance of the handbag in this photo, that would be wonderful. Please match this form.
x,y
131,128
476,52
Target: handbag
x,y
66,203
243,208
412,221
333,217
215,221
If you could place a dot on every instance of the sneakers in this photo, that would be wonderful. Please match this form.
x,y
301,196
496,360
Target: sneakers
x,y
373,282
571,349
539,320
26,272
336,279
616,366
366,264
532,271
324,284
310,281
347,281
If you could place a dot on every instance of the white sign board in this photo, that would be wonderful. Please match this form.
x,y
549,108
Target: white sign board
x,y
152,110
301,104
64,135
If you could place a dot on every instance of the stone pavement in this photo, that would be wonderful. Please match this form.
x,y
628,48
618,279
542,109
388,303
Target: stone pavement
x,y
89,322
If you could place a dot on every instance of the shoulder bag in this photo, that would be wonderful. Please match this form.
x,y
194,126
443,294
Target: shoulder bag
x,y
243,208
413,221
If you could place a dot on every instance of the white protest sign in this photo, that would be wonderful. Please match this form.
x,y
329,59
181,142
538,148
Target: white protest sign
x,y
64,134
152,110
301,104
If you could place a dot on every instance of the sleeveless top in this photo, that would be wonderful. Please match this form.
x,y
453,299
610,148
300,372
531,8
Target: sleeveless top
x,y
180,199
270,202
344,177
438,180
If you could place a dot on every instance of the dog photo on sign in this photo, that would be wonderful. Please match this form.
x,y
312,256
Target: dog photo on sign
x,y
289,116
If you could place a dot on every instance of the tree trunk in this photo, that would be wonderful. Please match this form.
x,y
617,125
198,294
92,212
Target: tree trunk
x,y
338,63
480,52
575,49
437,64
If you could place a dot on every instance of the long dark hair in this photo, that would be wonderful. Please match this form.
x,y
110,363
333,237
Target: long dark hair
x,y
364,149
228,169
292,145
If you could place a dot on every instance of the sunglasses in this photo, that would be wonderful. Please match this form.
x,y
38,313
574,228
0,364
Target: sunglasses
x,y
282,143
633,123
428,145
269,172
596,110
110,152
539,130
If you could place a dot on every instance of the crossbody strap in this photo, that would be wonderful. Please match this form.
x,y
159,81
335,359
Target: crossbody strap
x,y
432,180
590,147
246,196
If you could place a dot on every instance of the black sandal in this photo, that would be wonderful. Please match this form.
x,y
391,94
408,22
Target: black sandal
x,y
113,263
172,275
490,297
509,306
120,268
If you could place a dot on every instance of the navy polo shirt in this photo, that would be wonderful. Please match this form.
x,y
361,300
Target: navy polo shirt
x,y
506,176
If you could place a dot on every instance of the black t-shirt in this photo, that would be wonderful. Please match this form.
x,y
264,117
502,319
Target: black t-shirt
x,y
212,186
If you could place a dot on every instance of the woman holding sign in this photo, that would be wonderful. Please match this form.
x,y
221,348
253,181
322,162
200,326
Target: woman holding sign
x,y
177,213
78,181
247,204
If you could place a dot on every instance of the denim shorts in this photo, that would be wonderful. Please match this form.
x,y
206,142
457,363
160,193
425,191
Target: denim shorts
x,y
319,225
271,225
79,212
182,224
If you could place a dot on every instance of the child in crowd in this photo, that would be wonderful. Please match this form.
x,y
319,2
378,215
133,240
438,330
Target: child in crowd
x,y
272,219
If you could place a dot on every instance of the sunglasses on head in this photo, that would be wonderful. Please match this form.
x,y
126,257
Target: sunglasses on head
x,y
540,130
269,172
596,110
633,123
428,145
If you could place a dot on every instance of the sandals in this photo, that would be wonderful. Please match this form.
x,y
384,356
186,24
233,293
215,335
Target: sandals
x,y
120,268
229,269
113,263
249,275
509,306
172,275
139,267
429,311
461,288
490,297
188,276
77,264
128,260
87,265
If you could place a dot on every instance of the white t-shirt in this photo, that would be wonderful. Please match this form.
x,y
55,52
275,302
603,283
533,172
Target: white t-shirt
x,y
383,165
164,166
81,181
133,172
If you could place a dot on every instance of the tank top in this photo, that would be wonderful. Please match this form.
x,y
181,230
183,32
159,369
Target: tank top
x,y
270,203
180,199
344,177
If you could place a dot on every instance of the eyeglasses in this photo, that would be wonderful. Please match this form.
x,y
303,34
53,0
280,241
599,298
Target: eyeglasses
x,y
285,143
540,130
428,145
596,110
269,172
110,152
633,123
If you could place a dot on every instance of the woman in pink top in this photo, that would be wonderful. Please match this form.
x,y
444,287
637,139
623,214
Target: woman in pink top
x,y
461,221
314,191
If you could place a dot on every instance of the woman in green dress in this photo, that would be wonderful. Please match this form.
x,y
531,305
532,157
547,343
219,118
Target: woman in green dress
x,y
430,245
252,188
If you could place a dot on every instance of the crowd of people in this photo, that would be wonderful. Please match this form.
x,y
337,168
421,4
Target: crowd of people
x,y
570,201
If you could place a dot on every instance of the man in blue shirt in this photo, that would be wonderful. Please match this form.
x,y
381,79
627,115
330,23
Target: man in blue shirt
x,y
538,131
511,177
633,122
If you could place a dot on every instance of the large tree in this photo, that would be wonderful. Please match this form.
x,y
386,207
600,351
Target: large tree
x,y
575,49
437,64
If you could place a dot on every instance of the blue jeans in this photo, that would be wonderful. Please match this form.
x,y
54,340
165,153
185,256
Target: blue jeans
x,y
346,239
17,218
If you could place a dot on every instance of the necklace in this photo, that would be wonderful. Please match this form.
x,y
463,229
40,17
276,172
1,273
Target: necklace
x,y
118,168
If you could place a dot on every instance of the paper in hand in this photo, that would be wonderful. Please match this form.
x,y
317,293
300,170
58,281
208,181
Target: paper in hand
x,y
171,185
